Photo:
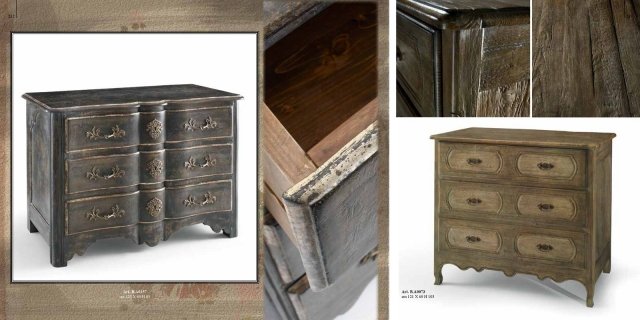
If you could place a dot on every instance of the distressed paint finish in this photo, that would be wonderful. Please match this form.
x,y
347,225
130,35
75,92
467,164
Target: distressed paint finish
x,y
476,62
585,58
560,231
101,190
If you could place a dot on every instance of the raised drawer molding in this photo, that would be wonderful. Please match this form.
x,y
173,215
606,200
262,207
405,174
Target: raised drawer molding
x,y
524,201
138,163
462,58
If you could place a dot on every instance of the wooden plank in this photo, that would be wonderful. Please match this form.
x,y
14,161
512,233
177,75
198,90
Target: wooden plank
x,y
507,101
468,57
348,130
276,208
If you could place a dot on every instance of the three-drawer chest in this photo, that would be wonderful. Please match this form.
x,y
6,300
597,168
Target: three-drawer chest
x,y
138,163
524,201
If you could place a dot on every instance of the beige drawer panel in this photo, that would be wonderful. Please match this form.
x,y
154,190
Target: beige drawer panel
x,y
547,166
475,200
546,247
547,206
474,239
474,161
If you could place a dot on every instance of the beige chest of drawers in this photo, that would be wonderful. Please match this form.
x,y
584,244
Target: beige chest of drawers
x,y
129,162
524,201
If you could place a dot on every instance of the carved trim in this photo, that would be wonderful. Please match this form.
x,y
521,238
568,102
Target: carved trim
x,y
192,124
96,174
154,207
94,214
155,167
154,128
96,134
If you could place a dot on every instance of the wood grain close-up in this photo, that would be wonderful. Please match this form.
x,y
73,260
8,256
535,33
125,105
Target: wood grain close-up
x,y
585,58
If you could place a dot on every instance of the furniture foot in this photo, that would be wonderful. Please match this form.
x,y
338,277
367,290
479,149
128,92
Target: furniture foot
x,y
590,291
32,227
438,275
607,267
230,232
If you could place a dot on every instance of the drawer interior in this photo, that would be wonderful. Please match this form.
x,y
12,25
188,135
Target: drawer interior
x,y
320,93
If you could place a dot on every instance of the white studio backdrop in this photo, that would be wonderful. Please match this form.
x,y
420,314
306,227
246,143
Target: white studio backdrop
x,y
60,62
491,294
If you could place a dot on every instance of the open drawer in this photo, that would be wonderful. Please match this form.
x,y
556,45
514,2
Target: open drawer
x,y
319,147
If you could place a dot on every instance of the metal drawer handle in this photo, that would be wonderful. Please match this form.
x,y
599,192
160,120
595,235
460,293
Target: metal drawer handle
x,y
94,214
192,125
545,166
96,133
209,198
473,239
474,201
545,207
474,161
95,174
543,247
208,161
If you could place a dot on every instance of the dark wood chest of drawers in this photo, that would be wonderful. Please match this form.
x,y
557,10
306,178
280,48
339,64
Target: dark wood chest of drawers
x,y
524,201
129,162
462,58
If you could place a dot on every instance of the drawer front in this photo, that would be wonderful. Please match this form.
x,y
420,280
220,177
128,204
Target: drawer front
x,y
546,247
198,199
484,242
95,132
415,63
102,173
497,202
101,212
199,161
474,239
548,167
184,125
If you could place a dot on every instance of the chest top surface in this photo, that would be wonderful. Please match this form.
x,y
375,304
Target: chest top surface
x,y
526,137
471,5
61,100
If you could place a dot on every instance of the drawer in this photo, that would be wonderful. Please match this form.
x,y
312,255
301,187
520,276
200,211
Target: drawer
x,y
106,172
96,132
199,161
518,244
415,63
511,164
202,123
97,213
200,198
495,202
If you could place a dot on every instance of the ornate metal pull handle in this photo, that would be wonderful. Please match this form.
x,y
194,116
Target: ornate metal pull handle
x,y
544,207
473,239
154,128
474,201
474,161
95,174
94,214
96,134
543,247
209,198
545,166
208,161
192,125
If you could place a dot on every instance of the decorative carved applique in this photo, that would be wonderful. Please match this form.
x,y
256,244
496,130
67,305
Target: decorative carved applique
x,y
154,128
208,198
208,161
96,133
94,214
154,206
155,168
95,174
192,125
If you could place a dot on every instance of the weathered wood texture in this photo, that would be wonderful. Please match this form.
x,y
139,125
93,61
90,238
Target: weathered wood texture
x,y
479,69
524,201
585,58
103,182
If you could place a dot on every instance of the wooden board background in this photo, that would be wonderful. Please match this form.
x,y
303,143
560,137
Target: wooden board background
x,y
168,300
